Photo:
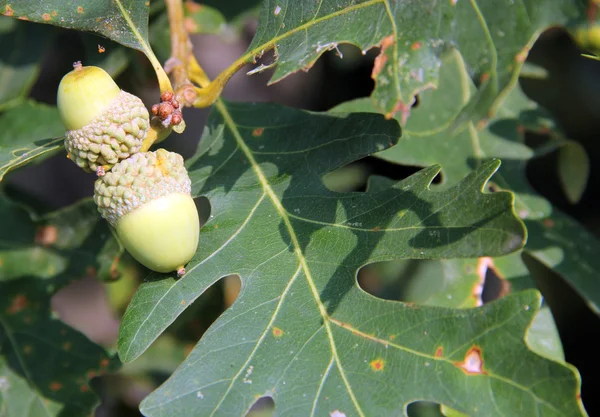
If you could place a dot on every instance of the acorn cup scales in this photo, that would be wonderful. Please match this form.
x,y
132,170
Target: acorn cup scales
x,y
104,124
147,199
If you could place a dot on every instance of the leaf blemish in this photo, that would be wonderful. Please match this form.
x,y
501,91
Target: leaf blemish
x,y
46,235
439,352
277,11
46,17
473,362
277,332
18,304
55,386
337,413
377,364
8,11
382,57
54,13
246,379
258,131
79,9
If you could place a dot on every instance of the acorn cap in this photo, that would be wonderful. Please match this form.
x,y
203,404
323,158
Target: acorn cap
x,y
105,124
138,180
147,199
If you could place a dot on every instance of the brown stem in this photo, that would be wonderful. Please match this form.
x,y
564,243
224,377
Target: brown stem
x,y
181,53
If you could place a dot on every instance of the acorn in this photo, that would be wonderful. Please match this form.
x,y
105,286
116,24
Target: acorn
x,y
147,199
104,123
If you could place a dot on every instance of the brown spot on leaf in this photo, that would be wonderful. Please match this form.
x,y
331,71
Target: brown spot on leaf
x,y
484,77
392,337
522,56
67,345
80,10
382,57
55,386
54,13
416,46
277,332
46,235
549,223
403,108
19,302
104,363
473,362
192,7
84,388
101,49
439,352
8,11
25,18
482,124
190,25
258,131
46,17
377,364
27,349
91,374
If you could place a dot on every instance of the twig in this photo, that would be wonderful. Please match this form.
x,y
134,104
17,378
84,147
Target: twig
x,y
181,53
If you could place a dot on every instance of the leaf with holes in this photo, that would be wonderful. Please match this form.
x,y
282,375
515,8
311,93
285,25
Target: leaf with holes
x,y
301,329
460,283
45,366
123,21
556,240
412,36
20,141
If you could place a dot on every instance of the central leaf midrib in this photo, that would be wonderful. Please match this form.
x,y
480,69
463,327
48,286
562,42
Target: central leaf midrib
x,y
230,123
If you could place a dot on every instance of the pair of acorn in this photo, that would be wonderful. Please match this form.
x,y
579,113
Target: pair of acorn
x,y
145,196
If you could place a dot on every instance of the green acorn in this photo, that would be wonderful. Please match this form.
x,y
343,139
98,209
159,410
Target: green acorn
x,y
104,124
146,198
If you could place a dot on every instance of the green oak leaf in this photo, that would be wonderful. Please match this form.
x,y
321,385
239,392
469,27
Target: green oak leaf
x,y
412,36
21,56
23,127
555,239
573,170
45,366
123,21
459,283
301,330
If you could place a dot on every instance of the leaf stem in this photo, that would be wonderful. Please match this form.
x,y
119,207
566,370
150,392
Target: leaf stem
x,y
181,53
163,78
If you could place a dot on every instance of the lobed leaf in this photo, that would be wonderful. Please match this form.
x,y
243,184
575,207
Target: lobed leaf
x,y
429,138
123,21
301,330
494,38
